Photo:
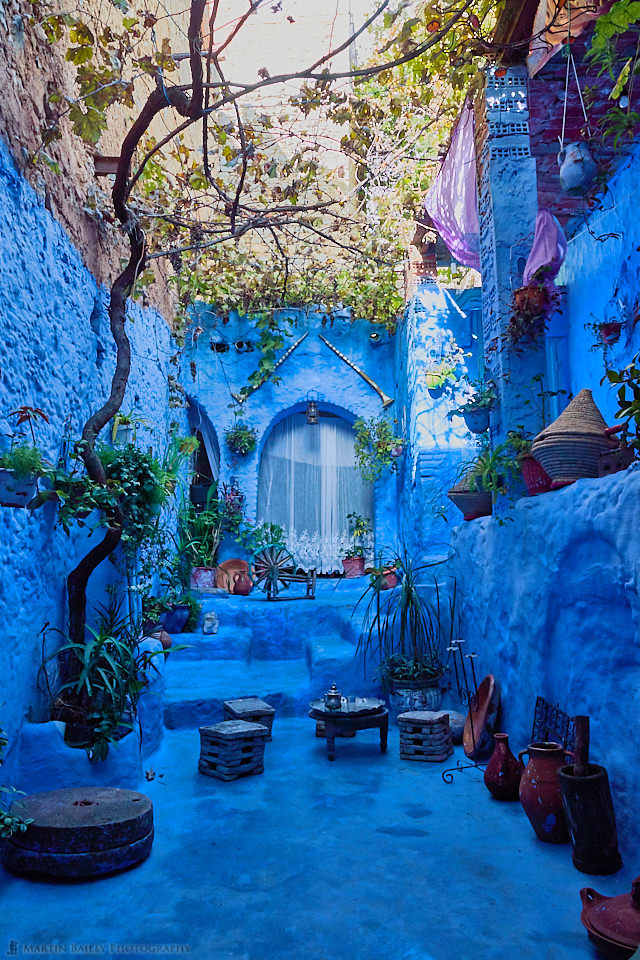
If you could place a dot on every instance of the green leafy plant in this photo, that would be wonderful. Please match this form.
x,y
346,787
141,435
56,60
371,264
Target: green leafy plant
x,y
627,380
125,420
202,531
109,673
494,470
10,821
142,482
440,374
241,439
23,459
377,447
360,528
483,397
403,632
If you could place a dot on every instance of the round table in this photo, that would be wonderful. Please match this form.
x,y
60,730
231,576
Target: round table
x,y
360,713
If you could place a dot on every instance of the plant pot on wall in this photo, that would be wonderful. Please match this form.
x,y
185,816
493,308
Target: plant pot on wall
x,y
353,567
16,491
610,332
202,579
473,503
477,421
536,478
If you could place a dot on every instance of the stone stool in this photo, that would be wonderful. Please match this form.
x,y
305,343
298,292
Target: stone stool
x,y
232,749
425,735
251,709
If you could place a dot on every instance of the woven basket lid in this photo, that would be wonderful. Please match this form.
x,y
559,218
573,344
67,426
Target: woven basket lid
x,y
581,418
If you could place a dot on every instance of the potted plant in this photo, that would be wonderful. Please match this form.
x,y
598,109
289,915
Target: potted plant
x,y
241,439
475,410
178,451
384,573
21,465
10,821
491,473
438,377
353,556
405,632
124,428
202,533
377,447
530,308
107,676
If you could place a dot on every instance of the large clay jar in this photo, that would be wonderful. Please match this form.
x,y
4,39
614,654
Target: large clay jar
x,y
502,776
540,792
242,584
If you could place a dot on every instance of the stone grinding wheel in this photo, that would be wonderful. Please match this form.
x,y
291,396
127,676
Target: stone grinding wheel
x,y
81,832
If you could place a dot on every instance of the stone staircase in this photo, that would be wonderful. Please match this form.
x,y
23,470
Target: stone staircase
x,y
286,652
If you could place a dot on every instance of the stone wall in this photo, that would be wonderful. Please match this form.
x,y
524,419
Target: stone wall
x,y
56,353
550,603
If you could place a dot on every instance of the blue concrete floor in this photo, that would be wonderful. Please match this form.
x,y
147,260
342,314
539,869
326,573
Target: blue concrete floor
x,y
367,858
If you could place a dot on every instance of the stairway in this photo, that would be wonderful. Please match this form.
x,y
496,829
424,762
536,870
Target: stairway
x,y
286,652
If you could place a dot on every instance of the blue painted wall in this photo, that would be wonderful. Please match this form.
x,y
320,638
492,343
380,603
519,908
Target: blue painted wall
x,y
56,353
311,367
435,319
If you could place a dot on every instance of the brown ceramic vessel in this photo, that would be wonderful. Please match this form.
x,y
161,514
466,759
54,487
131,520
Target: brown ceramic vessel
x,y
502,776
540,793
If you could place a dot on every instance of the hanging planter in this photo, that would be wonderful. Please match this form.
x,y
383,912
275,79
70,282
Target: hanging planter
x,y
438,379
241,439
609,333
578,169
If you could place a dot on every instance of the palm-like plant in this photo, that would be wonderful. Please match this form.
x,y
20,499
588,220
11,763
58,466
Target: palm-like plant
x,y
402,630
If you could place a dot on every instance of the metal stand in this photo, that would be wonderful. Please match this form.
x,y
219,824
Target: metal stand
x,y
468,694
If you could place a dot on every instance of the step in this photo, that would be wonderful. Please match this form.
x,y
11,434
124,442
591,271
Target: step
x,y
195,692
332,659
229,643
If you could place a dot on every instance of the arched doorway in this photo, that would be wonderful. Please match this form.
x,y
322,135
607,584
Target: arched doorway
x,y
308,483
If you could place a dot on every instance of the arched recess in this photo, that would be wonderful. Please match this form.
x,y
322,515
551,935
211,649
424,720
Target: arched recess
x,y
308,482
206,468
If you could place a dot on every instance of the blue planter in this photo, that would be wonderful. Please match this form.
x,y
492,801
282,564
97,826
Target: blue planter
x,y
176,619
477,421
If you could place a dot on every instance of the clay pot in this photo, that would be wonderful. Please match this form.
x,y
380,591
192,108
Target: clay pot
x,y
613,923
540,793
610,332
353,567
477,421
578,169
536,478
473,503
242,584
503,773
203,579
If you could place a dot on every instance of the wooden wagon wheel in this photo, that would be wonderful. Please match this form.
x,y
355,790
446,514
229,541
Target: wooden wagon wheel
x,y
272,566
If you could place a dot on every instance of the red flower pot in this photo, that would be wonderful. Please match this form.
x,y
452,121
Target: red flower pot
x,y
610,332
535,476
353,567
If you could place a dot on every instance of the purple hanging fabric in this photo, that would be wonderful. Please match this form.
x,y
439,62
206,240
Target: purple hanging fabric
x,y
452,200
548,251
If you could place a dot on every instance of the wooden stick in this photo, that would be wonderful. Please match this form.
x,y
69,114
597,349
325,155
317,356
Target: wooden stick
x,y
581,758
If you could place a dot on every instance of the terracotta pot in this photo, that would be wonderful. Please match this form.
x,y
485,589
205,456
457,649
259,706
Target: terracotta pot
x,y
503,773
473,503
536,478
388,579
610,332
540,793
242,584
202,579
613,923
353,567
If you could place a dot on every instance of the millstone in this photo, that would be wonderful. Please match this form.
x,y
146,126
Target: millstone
x,y
81,832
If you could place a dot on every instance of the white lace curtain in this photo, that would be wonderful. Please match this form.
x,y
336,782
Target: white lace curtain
x,y
308,484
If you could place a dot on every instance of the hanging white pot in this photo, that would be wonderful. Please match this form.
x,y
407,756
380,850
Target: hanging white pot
x,y
578,169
